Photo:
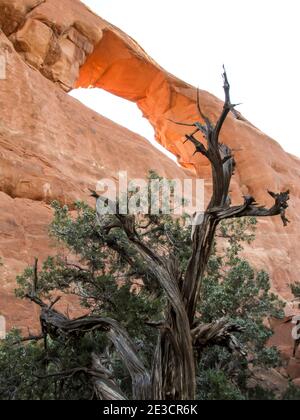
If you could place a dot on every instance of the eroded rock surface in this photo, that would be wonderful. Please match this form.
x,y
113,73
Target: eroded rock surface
x,y
73,47
52,148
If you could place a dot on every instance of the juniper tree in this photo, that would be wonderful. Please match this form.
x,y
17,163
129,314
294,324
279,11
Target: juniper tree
x,y
235,299
159,334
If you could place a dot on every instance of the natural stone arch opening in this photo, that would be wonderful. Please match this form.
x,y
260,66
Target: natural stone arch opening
x,y
121,111
120,66
73,47
79,49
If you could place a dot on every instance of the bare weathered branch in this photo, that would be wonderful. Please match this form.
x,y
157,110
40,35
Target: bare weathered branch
x,y
204,117
226,109
57,325
251,208
104,384
219,333
200,148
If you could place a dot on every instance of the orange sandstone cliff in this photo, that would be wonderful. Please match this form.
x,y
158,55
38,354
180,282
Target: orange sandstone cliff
x,y
52,147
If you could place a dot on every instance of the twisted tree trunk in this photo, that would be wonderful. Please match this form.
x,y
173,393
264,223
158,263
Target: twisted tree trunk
x,y
181,338
175,347
173,371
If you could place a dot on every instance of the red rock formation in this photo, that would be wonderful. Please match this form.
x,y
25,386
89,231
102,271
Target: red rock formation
x,y
262,163
52,147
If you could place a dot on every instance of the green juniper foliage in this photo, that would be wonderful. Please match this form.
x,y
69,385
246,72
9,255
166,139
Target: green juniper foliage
x,y
108,280
232,288
296,289
292,393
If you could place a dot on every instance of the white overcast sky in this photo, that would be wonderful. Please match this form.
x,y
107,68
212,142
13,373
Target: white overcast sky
x,y
257,40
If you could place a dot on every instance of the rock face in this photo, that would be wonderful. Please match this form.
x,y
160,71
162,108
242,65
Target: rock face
x,y
52,147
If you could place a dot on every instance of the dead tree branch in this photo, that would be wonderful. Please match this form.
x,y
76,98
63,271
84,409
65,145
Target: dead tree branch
x,y
223,166
57,326
219,333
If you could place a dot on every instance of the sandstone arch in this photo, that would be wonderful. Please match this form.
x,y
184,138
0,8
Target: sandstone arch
x,y
64,42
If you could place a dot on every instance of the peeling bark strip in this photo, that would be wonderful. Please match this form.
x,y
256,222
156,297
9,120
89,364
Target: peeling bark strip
x,y
181,338
56,325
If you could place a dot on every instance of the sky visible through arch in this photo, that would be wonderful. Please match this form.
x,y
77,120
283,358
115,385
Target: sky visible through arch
x,y
257,40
